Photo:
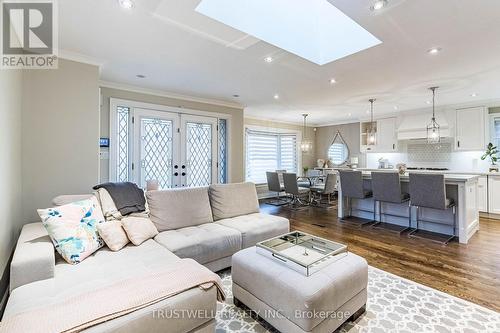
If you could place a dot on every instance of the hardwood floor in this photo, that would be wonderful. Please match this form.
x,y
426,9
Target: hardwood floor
x,y
471,271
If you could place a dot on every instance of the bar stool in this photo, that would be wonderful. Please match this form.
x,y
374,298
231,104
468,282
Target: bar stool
x,y
327,189
274,185
351,184
429,191
297,193
386,187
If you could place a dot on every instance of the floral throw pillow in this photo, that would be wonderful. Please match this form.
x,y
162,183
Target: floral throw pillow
x,y
73,228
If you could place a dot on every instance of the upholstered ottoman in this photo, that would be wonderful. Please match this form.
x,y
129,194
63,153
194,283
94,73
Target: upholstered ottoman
x,y
293,302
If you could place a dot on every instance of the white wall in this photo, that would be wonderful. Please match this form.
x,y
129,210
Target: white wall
x,y
10,164
60,126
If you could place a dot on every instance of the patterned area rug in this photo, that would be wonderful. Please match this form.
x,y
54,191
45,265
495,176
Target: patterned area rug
x,y
394,305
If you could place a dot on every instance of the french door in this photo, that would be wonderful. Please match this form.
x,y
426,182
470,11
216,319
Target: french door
x,y
177,150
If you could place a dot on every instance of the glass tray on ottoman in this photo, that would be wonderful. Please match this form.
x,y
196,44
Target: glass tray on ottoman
x,y
302,252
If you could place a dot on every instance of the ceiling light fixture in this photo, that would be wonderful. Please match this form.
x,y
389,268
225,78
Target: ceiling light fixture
x,y
140,76
473,95
305,145
396,107
433,135
276,96
268,59
333,81
372,132
428,102
126,4
379,4
434,50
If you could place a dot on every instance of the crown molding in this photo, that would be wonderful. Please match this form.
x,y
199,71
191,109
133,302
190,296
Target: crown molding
x,y
154,92
78,57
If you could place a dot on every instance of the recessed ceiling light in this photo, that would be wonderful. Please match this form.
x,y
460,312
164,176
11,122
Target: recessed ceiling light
x,y
276,96
126,4
268,59
333,81
349,114
473,95
428,102
140,76
396,107
236,95
367,111
379,4
434,50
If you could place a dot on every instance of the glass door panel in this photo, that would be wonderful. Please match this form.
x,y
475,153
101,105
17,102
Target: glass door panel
x,y
198,150
157,148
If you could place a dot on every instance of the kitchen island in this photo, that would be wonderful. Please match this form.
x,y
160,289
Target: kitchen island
x,y
462,188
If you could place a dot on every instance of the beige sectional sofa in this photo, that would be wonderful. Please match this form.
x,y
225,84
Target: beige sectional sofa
x,y
207,224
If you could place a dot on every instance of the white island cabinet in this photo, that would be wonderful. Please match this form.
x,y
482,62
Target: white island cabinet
x,y
461,188
494,194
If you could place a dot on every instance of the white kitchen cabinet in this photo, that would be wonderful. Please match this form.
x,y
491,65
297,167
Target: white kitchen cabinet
x,y
470,129
494,194
386,136
482,194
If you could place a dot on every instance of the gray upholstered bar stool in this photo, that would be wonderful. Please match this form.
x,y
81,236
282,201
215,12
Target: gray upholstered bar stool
x,y
329,188
351,184
297,193
386,187
429,191
274,185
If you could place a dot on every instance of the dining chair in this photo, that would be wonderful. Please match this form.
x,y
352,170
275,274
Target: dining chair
x,y
274,185
327,189
297,193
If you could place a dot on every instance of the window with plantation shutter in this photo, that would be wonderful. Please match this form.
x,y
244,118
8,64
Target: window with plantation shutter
x,y
268,151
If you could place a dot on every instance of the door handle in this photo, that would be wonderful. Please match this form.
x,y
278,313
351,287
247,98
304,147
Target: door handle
x,y
176,166
184,167
176,174
183,174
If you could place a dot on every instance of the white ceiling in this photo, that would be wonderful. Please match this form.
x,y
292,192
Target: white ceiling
x,y
182,51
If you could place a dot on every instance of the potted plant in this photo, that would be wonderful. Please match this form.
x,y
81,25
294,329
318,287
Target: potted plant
x,y
491,152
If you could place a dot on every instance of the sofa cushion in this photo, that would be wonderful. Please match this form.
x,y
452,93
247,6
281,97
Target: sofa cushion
x,y
179,208
203,243
113,234
73,228
230,200
102,268
139,229
257,227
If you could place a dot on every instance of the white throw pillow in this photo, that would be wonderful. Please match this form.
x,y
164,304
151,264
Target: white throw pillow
x,y
139,229
109,209
113,234
73,228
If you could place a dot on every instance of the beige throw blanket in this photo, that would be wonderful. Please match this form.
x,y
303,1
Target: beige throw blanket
x,y
87,310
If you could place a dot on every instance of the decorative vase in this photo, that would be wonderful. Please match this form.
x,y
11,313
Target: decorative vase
x,y
493,168
320,162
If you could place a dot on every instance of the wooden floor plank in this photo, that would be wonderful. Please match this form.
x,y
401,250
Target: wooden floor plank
x,y
471,271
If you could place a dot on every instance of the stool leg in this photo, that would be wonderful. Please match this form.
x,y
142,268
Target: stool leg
x,y
454,226
416,229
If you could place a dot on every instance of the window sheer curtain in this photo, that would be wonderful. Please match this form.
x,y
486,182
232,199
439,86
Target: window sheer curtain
x,y
268,151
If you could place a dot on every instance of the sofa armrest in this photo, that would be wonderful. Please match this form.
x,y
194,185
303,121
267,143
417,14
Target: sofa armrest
x,y
34,258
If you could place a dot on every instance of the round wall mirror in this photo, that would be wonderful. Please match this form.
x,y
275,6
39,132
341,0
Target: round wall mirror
x,y
338,152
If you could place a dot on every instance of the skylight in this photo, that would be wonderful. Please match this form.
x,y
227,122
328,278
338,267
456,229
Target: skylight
x,y
312,29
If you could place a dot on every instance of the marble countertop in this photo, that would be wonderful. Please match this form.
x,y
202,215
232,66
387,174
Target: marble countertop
x,y
455,172
448,177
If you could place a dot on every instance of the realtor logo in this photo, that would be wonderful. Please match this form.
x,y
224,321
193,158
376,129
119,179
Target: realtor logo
x,y
29,34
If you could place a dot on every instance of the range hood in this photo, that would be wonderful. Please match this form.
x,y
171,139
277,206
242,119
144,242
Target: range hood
x,y
413,127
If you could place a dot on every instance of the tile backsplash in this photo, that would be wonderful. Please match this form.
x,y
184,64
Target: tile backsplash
x,y
425,153
421,154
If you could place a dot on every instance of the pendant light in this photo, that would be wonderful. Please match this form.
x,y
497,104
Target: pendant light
x,y
433,135
305,145
371,139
